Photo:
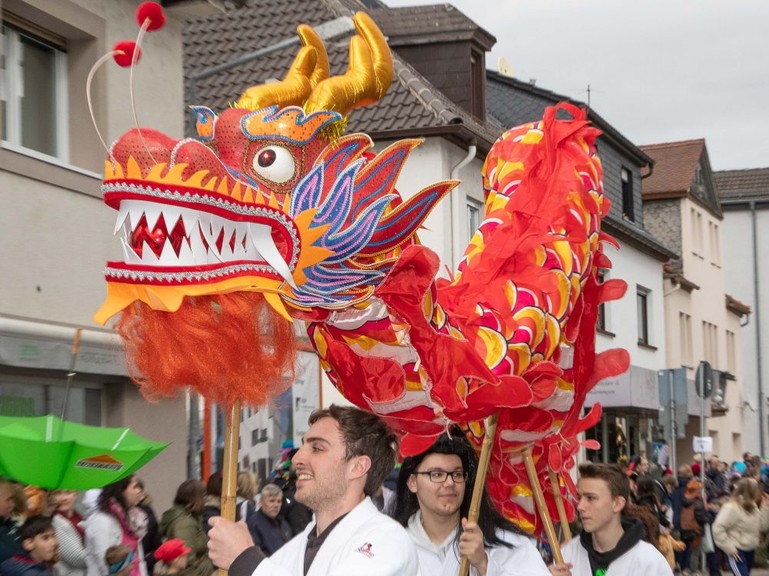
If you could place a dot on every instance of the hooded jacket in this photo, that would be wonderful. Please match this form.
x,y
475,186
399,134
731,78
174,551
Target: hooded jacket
x,y
25,566
631,557
178,522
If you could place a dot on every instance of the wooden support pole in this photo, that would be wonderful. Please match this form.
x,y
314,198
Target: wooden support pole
x,y
480,481
230,467
555,484
539,499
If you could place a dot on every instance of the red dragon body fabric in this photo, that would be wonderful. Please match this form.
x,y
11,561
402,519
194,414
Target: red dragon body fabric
x,y
271,214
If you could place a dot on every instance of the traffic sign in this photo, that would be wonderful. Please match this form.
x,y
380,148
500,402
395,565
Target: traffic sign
x,y
703,379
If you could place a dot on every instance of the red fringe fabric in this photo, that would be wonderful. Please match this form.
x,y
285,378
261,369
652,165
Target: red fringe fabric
x,y
226,347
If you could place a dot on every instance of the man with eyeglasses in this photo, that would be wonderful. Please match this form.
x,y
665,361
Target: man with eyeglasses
x,y
432,502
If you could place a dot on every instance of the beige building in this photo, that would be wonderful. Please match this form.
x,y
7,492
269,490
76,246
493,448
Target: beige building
x,y
702,321
54,230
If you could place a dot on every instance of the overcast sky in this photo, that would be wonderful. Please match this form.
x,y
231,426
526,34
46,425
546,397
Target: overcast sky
x,y
658,70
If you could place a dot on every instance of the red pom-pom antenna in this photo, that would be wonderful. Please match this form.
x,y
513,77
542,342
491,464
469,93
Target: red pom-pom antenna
x,y
123,53
152,12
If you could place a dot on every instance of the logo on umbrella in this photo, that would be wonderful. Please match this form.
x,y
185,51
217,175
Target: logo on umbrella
x,y
103,462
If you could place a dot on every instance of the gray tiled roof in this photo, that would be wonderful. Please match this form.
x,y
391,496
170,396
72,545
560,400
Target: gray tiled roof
x,y
412,105
737,185
433,23
511,102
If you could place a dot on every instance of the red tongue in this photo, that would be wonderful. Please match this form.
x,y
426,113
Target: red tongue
x,y
156,237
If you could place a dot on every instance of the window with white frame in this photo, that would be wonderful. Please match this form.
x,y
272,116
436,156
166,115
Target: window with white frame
x,y
33,92
643,301
710,342
731,351
715,243
696,223
474,216
685,336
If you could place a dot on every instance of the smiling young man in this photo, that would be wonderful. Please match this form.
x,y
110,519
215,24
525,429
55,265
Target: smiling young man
x,y
611,543
345,456
432,502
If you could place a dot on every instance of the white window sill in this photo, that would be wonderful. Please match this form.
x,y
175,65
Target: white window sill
x,y
53,160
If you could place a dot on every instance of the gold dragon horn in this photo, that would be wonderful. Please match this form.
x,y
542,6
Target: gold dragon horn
x,y
310,38
369,73
308,69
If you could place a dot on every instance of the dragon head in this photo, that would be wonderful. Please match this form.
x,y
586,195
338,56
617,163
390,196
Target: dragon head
x,y
269,197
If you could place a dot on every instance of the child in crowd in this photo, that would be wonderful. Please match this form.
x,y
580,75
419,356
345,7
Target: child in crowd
x,y
171,557
118,559
40,546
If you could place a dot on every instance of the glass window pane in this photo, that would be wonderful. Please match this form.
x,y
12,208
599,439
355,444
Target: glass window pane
x,y
38,103
18,399
4,86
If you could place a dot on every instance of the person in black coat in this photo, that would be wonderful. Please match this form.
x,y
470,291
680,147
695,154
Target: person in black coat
x,y
268,529
296,514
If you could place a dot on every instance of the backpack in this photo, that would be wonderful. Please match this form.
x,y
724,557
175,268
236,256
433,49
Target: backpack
x,y
688,520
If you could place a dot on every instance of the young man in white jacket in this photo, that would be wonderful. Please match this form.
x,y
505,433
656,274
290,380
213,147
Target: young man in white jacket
x,y
345,456
432,502
611,542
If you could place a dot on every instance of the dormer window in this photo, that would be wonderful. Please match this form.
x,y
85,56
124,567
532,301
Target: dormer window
x,y
628,208
477,89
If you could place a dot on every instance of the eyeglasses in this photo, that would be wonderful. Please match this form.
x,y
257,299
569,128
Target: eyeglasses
x,y
439,476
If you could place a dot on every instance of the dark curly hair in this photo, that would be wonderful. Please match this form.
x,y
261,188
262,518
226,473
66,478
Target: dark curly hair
x,y
489,519
364,434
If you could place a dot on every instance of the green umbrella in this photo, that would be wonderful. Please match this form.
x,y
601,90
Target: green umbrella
x,y
51,453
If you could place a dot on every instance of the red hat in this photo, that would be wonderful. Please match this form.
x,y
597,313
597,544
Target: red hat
x,y
696,468
171,549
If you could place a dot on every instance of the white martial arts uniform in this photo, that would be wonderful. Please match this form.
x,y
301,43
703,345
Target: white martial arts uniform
x,y
365,543
523,559
642,559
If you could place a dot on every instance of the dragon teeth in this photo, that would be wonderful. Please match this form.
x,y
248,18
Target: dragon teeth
x,y
130,256
152,213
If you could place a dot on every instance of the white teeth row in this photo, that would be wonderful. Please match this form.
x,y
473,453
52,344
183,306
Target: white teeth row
x,y
258,245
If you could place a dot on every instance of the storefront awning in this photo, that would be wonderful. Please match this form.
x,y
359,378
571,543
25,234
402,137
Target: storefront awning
x,y
27,343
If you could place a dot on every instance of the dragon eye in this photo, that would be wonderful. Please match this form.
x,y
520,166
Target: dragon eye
x,y
274,163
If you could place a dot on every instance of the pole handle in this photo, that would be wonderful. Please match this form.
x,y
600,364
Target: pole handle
x,y
539,499
480,481
230,469
555,486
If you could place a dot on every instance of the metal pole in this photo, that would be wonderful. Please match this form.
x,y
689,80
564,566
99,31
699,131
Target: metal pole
x,y
702,461
673,431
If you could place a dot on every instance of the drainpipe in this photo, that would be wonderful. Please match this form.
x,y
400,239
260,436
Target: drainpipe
x,y
756,312
457,246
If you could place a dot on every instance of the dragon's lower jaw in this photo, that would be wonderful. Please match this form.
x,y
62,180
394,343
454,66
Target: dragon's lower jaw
x,y
120,295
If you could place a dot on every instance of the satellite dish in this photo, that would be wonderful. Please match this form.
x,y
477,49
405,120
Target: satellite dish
x,y
503,67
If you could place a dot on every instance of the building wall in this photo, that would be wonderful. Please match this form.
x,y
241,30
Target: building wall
x,y
637,269
702,259
613,162
662,219
57,234
740,280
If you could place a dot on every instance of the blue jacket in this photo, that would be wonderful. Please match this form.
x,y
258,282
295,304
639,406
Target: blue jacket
x,y
269,534
25,566
10,545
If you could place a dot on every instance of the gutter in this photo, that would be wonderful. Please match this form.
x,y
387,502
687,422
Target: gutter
x,y
757,312
456,206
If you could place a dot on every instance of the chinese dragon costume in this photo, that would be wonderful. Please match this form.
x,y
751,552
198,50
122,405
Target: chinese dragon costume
x,y
272,214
